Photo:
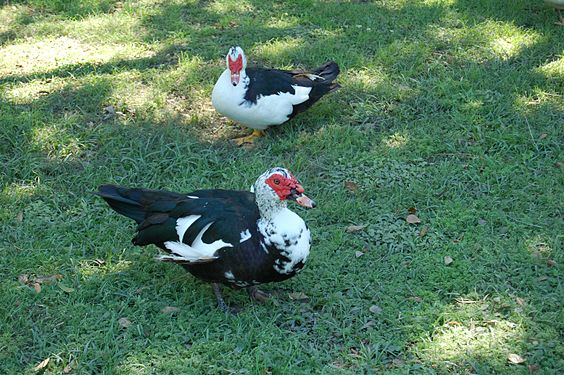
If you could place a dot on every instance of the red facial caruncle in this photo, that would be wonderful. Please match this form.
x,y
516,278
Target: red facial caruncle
x,y
283,186
235,68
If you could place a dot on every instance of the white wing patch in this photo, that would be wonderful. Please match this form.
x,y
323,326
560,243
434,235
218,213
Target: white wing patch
x,y
183,224
245,235
192,197
229,275
198,250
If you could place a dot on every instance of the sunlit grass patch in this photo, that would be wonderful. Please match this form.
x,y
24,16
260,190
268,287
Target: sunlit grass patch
x,y
554,70
45,55
396,140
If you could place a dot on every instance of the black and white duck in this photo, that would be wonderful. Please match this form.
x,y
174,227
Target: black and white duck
x,y
237,238
260,98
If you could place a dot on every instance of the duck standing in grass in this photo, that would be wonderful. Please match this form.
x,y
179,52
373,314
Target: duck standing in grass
x,y
259,98
237,238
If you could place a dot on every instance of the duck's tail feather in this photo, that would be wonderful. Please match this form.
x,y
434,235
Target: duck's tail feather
x,y
124,201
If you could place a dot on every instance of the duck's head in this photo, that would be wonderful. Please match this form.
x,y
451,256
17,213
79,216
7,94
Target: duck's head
x,y
236,62
278,185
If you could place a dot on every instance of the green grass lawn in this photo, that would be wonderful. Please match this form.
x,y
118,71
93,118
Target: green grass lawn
x,y
452,107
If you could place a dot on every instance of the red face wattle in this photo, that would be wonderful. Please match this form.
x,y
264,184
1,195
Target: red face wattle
x,y
289,188
235,67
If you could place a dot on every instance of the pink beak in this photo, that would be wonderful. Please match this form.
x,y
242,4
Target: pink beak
x,y
235,78
305,201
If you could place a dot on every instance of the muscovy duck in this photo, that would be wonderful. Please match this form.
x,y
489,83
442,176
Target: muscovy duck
x,y
259,98
237,238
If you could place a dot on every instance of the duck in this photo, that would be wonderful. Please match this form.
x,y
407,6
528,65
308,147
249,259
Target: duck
x,y
238,239
259,98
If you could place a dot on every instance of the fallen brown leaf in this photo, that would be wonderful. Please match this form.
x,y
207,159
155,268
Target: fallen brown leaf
x,y
397,362
67,369
42,364
515,358
368,324
550,262
298,296
543,136
109,111
355,352
124,322
19,217
351,186
448,260
358,254
23,278
520,301
169,309
533,368
48,278
37,287
375,309
423,231
355,228
412,219
491,322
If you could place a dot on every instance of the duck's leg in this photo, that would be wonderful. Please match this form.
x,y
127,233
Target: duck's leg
x,y
220,302
258,295
249,138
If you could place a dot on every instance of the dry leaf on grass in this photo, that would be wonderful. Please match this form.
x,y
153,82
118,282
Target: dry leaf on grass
x,y
412,219
67,369
520,301
375,309
448,260
47,278
19,217
354,228
533,368
370,323
124,322
543,136
358,254
551,262
351,186
423,231
515,358
42,364
169,309
23,278
298,296
37,287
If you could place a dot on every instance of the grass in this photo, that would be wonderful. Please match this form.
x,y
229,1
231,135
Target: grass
x,y
453,107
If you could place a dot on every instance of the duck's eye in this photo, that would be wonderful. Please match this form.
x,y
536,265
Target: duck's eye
x,y
277,181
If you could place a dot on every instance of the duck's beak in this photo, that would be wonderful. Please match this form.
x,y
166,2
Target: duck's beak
x,y
301,199
235,78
